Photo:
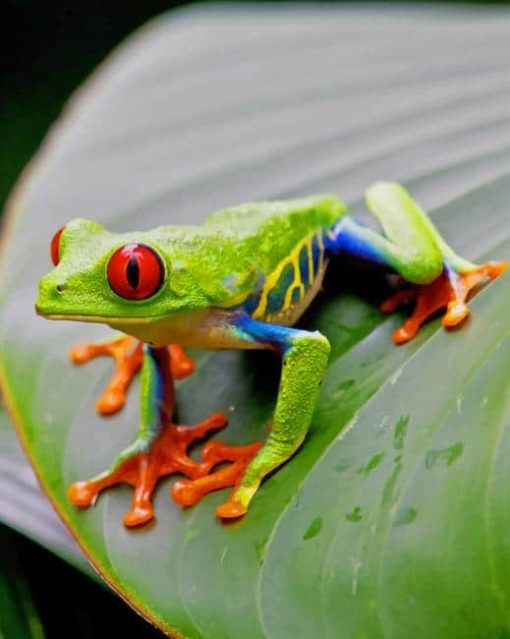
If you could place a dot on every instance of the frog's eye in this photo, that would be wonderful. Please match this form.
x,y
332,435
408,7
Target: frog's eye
x,y
135,272
55,247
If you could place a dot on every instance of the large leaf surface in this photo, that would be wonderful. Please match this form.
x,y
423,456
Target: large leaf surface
x,y
392,520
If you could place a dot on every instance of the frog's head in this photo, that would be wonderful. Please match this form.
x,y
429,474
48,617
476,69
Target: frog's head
x,y
113,278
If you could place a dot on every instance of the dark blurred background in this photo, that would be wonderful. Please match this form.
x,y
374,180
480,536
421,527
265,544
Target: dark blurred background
x,y
47,49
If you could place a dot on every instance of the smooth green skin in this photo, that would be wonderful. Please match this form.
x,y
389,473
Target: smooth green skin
x,y
210,274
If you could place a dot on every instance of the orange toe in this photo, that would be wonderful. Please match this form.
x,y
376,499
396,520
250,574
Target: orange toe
x,y
495,269
127,355
451,290
82,493
138,515
397,299
456,313
182,365
232,509
405,333
81,353
168,455
111,401
184,493
188,492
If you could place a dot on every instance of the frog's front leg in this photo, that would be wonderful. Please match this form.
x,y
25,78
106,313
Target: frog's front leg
x,y
160,447
305,356
413,248
126,352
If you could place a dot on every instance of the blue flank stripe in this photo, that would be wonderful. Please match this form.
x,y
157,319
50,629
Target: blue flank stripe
x,y
350,237
303,267
276,297
251,303
254,331
316,253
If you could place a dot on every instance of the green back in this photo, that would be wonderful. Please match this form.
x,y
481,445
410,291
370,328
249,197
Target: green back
x,y
241,245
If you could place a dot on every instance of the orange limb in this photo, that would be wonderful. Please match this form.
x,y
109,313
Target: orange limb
x,y
127,354
168,455
450,289
188,492
181,364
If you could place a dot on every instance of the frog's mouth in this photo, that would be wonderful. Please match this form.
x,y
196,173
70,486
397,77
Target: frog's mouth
x,y
96,319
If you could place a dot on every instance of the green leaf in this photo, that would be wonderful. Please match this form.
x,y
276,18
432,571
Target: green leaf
x,y
392,519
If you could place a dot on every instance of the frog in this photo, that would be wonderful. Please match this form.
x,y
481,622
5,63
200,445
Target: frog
x,y
241,280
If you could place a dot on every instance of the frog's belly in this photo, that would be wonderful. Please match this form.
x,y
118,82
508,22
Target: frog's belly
x,y
209,329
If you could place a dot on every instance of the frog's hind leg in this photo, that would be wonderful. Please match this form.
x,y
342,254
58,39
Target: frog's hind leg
x,y
127,354
160,447
414,249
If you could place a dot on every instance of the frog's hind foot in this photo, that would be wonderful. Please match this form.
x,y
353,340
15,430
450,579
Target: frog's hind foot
x,y
127,354
451,290
188,492
167,455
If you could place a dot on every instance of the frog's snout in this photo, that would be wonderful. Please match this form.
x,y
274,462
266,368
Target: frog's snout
x,y
50,294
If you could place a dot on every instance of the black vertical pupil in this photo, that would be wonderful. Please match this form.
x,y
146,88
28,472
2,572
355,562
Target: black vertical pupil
x,y
133,272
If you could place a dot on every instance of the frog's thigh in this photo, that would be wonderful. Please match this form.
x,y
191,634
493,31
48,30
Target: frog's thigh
x,y
411,245
305,356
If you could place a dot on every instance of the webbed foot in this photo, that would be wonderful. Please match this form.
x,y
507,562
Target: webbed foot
x,y
188,492
168,454
127,354
451,290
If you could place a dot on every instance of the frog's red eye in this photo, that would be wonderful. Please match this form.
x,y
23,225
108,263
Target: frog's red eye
x,y
135,272
55,247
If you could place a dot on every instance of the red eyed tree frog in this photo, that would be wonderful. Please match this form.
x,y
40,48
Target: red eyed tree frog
x,y
239,281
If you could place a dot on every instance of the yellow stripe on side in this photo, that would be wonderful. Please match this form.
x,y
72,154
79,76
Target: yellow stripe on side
x,y
309,252
293,259
320,242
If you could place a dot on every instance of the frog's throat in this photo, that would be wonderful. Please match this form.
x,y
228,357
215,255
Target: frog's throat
x,y
209,328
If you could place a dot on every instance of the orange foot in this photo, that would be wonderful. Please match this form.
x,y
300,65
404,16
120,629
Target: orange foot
x,y
167,455
127,353
450,289
188,492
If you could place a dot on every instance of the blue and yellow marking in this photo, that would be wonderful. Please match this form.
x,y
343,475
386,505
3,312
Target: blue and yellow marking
x,y
287,285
